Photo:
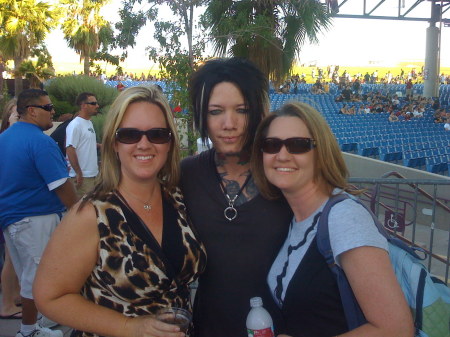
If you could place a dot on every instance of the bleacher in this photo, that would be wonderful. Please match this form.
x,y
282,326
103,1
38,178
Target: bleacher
x,y
418,143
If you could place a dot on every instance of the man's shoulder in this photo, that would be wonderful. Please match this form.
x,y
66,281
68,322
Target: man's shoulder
x,y
75,121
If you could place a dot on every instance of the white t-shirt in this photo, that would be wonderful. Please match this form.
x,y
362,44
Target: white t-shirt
x,y
80,134
350,226
203,147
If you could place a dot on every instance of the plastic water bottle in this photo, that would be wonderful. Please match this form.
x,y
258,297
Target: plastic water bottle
x,y
259,323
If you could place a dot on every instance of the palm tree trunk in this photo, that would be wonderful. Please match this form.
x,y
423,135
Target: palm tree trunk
x,y
18,84
2,81
86,65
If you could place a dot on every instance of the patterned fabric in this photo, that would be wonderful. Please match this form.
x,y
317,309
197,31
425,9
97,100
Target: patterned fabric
x,y
131,275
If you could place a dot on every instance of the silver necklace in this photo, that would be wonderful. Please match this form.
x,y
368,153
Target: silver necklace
x,y
231,212
147,204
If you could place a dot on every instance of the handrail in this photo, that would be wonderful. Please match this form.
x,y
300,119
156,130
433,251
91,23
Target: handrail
x,y
423,192
375,203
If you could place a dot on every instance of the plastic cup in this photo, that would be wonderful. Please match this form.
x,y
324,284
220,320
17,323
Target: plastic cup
x,y
176,316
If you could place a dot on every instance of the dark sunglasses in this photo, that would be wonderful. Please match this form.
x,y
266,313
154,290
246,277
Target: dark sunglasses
x,y
132,135
91,103
46,107
294,145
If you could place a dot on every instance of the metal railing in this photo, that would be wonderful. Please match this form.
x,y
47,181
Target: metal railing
x,y
415,210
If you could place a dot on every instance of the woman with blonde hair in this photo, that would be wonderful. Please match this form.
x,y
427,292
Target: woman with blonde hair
x,y
296,155
132,248
10,115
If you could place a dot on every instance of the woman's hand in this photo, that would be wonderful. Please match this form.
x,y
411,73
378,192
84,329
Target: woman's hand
x,y
149,326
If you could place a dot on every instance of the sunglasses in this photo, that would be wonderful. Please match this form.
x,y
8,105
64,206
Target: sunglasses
x,y
46,107
294,145
91,103
133,136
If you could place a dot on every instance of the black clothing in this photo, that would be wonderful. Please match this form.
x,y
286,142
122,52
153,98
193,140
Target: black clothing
x,y
313,288
240,252
59,135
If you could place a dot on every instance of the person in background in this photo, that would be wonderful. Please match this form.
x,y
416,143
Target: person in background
x,y
35,191
10,115
9,308
393,117
120,86
241,230
132,248
297,156
81,144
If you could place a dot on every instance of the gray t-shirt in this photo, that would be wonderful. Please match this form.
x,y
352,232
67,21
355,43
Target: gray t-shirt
x,y
350,226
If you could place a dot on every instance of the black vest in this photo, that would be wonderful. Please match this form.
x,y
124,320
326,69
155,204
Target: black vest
x,y
312,305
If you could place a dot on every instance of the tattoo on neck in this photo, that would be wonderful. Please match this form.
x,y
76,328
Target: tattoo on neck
x,y
232,187
222,159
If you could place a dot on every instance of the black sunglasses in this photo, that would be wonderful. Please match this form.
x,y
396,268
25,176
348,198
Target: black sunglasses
x,y
91,103
46,107
132,135
294,145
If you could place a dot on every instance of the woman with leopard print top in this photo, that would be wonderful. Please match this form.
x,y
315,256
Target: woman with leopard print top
x,y
127,249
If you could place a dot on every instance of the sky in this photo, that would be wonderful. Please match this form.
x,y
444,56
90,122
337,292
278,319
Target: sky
x,y
349,42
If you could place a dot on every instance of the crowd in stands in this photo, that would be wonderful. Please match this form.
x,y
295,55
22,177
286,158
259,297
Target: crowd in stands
x,y
404,108
323,77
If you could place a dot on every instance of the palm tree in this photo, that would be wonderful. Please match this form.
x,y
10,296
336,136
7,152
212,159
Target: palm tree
x,y
23,25
85,29
268,32
40,68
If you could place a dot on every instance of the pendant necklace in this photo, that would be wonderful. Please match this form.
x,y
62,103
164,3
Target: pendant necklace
x,y
231,212
147,204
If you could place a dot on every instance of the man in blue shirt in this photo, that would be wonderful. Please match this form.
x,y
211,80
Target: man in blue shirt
x,y
34,193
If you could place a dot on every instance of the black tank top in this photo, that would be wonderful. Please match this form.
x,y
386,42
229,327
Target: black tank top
x,y
312,305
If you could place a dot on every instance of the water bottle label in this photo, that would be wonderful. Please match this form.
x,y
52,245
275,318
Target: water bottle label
x,y
268,332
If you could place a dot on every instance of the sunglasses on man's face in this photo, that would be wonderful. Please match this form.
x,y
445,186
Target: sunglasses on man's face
x,y
132,135
295,145
91,103
46,107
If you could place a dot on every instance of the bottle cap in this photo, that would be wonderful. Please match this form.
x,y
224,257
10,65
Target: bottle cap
x,y
256,302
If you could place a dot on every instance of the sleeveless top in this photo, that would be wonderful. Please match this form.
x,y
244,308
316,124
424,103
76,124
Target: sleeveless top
x,y
312,288
240,252
134,275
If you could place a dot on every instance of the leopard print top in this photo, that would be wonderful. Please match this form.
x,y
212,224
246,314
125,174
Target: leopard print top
x,y
132,275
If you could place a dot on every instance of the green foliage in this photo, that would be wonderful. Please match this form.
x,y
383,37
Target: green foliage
x,y
87,32
131,22
39,69
268,32
98,122
176,62
62,107
23,26
64,90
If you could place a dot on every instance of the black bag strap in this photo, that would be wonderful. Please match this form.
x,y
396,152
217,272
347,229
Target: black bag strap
x,y
352,310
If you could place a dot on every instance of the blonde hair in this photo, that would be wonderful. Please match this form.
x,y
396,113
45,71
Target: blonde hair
x,y
110,173
330,170
7,111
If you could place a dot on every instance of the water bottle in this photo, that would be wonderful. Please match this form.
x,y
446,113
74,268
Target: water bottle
x,y
259,323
